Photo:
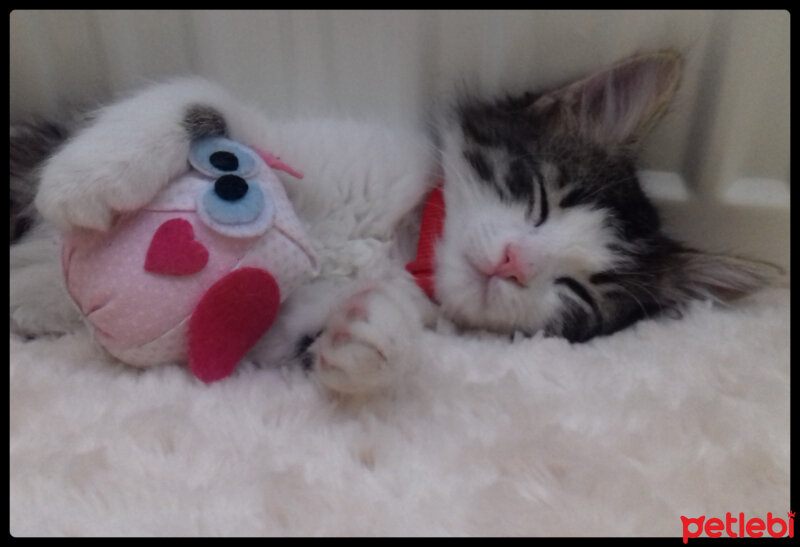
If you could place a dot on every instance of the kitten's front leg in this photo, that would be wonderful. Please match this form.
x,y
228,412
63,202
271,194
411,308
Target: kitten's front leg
x,y
131,150
370,337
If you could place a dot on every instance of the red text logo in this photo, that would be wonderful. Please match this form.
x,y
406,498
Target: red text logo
x,y
738,527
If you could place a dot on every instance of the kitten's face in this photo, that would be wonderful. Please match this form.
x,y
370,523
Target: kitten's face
x,y
529,228
546,225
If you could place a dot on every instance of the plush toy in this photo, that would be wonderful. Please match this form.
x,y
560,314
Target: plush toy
x,y
198,274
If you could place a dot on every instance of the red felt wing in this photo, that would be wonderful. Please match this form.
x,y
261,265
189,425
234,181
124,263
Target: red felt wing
x,y
229,319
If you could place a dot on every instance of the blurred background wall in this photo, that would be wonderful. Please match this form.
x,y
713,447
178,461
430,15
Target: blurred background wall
x,y
718,165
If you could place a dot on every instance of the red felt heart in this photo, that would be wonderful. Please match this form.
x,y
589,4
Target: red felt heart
x,y
174,250
229,319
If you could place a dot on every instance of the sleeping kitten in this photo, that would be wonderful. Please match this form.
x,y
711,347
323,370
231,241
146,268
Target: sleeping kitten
x,y
545,229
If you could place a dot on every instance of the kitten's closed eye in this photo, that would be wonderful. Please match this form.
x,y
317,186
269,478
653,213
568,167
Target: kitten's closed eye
x,y
538,206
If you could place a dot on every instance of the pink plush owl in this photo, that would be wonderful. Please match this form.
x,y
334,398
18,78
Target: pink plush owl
x,y
198,274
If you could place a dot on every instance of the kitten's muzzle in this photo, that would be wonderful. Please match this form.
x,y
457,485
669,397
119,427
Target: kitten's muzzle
x,y
512,267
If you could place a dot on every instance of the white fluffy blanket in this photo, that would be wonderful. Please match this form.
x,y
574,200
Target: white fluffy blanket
x,y
619,436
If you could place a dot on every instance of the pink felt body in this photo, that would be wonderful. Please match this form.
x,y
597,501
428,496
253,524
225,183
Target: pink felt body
x,y
126,304
147,310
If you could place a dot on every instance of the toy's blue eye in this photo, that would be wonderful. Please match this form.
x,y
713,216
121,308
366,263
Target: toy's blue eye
x,y
232,200
235,203
214,156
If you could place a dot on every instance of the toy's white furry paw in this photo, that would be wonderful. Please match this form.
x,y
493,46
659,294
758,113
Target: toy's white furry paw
x,y
362,346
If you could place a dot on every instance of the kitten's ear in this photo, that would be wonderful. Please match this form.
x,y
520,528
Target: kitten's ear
x,y
619,105
696,274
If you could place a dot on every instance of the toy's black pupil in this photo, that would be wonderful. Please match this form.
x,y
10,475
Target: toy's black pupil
x,y
224,161
230,187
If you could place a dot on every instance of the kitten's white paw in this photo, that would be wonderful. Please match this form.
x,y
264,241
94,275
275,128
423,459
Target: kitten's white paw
x,y
77,194
42,312
38,301
362,346
123,159
116,165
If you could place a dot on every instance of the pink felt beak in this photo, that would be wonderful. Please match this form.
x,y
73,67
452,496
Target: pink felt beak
x,y
276,163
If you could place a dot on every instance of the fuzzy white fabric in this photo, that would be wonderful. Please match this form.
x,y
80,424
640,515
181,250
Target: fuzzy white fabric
x,y
619,436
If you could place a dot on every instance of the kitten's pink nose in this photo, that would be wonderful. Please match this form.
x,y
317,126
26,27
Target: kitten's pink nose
x,y
512,267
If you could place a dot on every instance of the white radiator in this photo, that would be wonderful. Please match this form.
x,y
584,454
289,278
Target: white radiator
x,y
718,165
